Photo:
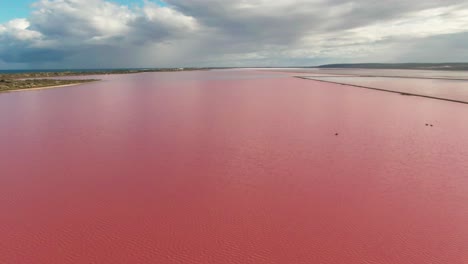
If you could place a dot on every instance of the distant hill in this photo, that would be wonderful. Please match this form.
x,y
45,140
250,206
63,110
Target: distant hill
x,y
416,66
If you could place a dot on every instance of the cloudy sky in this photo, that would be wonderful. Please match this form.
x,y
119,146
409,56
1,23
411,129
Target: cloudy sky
x,y
178,33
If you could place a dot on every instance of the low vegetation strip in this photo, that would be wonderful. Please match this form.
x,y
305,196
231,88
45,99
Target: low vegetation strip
x,y
15,84
52,74
33,80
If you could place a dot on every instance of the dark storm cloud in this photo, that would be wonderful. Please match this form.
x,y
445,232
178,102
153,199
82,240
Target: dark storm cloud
x,y
27,55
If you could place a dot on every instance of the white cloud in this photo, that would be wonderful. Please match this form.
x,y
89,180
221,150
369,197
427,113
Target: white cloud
x,y
80,18
425,23
18,29
168,17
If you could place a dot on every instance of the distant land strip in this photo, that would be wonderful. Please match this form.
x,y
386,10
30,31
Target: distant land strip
x,y
385,90
60,73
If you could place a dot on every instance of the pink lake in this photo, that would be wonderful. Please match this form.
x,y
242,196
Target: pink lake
x,y
231,167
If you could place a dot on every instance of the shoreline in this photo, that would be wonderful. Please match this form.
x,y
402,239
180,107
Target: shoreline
x,y
54,74
14,82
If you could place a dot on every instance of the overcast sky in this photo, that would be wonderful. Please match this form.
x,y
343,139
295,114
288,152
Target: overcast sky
x,y
178,33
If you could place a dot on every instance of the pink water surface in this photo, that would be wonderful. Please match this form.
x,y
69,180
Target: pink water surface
x,y
231,167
